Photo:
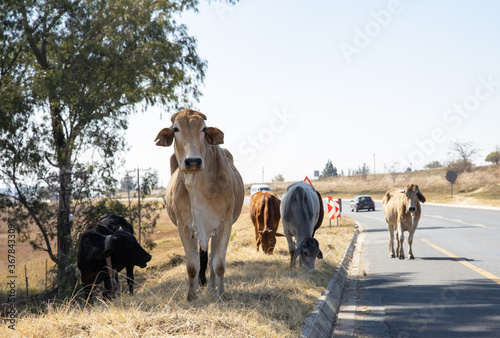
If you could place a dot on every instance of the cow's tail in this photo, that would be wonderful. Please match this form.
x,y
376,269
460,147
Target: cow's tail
x,y
267,211
202,276
321,213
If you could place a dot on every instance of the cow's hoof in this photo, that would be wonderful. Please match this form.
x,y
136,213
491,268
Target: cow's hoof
x,y
108,295
402,257
223,297
393,256
412,257
191,297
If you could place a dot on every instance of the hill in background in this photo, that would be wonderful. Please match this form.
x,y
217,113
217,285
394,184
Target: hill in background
x,y
481,186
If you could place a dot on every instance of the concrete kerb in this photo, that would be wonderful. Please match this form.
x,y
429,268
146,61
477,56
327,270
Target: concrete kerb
x,y
322,318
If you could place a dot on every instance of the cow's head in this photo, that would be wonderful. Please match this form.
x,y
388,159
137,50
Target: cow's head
x,y
268,240
125,248
308,250
412,193
192,137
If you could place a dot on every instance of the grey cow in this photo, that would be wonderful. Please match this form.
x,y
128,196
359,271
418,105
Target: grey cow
x,y
301,214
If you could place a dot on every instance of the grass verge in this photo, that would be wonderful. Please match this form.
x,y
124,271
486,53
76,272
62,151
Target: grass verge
x,y
265,297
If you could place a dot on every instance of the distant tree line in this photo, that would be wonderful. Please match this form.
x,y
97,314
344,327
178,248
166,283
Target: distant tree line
x,y
462,157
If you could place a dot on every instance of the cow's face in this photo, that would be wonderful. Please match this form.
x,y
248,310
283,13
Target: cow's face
x,y
192,137
308,250
268,240
412,194
124,247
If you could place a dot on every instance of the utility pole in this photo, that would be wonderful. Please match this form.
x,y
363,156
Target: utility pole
x,y
127,177
374,171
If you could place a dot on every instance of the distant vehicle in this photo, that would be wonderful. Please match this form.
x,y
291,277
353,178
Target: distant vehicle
x,y
259,187
362,202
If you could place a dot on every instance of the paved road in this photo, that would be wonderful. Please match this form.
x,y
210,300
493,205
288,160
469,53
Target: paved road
x,y
451,289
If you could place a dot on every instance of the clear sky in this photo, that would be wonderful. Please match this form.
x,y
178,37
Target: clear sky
x,y
295,83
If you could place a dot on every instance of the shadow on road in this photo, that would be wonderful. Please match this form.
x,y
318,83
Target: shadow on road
x,y
470,309
447,259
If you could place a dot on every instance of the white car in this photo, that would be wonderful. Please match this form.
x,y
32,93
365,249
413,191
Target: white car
x,y
258,187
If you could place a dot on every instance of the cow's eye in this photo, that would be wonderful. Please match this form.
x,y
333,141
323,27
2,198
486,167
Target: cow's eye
x,y
176,129
204,129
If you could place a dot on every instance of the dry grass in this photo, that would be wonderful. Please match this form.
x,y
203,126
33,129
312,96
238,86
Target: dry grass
x,y
265,298
25,256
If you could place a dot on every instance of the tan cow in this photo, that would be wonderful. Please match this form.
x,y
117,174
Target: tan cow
x,y
402,211
265,216
204,195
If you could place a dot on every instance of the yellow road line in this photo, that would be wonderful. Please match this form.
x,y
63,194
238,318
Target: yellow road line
x,y
467,264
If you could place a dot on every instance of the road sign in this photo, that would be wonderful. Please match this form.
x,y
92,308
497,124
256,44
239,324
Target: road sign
x,y
308,181
333,208
451,176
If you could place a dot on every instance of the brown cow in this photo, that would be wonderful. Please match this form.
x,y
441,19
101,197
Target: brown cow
x,y
265,215
402,211
204,195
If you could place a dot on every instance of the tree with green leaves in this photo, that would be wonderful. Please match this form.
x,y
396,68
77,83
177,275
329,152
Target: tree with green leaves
x,y
494,157
329,170
433,165
71,72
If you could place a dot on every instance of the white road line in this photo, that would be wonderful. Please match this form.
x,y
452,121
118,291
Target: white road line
x,y
454,220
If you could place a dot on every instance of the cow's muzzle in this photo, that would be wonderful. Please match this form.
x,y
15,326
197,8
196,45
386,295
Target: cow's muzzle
x,y
193,163
411,209
148,258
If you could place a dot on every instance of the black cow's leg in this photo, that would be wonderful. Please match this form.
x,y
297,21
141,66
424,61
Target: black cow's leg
x,y
88,284
108,293
203,267
130,279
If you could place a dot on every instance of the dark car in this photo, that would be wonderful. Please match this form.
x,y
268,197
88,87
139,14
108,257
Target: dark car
x,y
362,202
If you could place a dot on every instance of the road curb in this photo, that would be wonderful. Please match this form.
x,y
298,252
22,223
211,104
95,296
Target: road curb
x,y
320,321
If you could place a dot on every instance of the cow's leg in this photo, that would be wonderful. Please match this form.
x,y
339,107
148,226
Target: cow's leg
x,y
192,260
410,242
391,240
400,238
410,236
257,239
108,286
88,280
202,277
130,279
291,246
218,259
213,249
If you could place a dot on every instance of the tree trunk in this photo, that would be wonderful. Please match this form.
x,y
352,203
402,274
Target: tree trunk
x,y
65,270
